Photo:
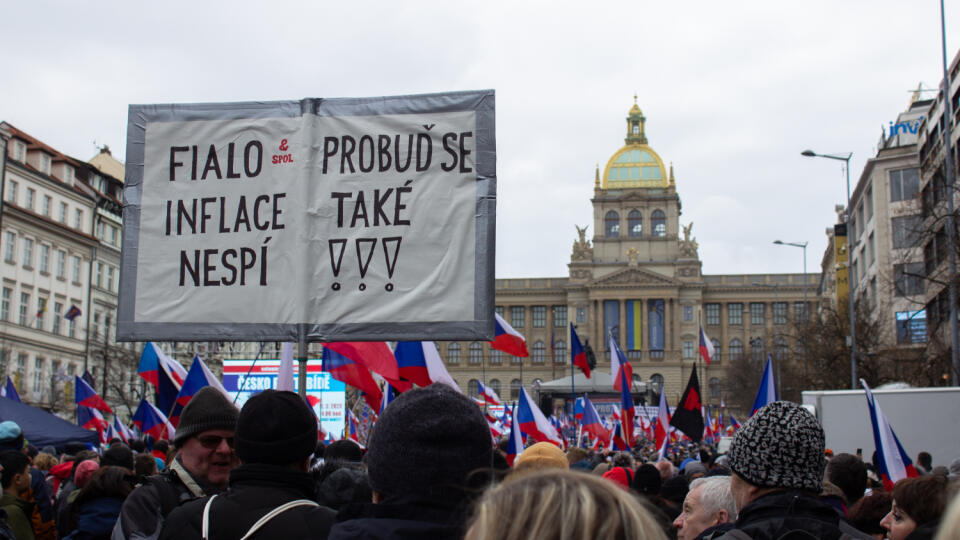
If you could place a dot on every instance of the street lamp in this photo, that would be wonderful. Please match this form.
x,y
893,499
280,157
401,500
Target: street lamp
x,y
850,278
802,245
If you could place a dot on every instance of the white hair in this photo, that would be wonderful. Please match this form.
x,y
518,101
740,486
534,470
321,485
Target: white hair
x,y
716,495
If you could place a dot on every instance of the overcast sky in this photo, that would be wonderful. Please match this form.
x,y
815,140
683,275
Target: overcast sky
x,y
732,92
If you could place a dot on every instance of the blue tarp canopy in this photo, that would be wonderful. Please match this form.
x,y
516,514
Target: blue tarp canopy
x,y
42,428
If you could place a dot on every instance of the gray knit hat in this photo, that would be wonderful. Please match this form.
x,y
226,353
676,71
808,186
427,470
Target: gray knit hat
x,y
208,409
426,443
782,446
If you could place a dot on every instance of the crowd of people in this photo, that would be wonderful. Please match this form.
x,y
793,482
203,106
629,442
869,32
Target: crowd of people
x,y
430,470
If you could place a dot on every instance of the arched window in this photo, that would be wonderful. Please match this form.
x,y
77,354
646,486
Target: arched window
x,y
476,353
495,385
496,356
714,387
473,388
756,350
559,352
736,349
453,353
656,381
658,223
634,223
515,389
637,381
611,224
716,350
539,352
780,348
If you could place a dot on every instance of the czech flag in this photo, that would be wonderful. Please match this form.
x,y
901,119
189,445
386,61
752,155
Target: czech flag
x,y
198,377
533,422
9,391
660,432
353,430
577,354
507,339
389,394
86,396
734,425
767,393
515,444
417,356
89,418
591,421
621,372
579,408
121,430
487,393
152,422
375,356
346,370
706,347
893,462
616,440
164,373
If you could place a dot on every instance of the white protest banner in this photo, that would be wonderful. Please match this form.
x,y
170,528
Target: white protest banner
x,y
344,219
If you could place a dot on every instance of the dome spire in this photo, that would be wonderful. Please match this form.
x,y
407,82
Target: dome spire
x,y
635,124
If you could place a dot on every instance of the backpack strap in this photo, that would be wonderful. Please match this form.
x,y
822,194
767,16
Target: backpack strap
x,y
275,512
205,524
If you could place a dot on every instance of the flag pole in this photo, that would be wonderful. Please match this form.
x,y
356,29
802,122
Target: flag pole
x,y
247,376
573,391
302,359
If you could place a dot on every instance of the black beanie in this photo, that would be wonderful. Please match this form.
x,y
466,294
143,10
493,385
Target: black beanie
x,y
118,455
207,409
276,427
427,442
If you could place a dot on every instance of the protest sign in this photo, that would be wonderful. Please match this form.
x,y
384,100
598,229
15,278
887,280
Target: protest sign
x,y
343,219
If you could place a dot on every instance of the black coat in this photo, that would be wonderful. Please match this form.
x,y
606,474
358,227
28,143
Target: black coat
x,y
775,514
255,489
400,519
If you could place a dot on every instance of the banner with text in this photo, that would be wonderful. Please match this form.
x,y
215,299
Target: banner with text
x,y
348,219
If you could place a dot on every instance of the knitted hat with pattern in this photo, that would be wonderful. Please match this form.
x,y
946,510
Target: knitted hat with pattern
x,y
780,446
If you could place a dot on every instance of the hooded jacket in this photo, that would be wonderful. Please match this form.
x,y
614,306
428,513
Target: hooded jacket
x,y
775,514
399,518
18,515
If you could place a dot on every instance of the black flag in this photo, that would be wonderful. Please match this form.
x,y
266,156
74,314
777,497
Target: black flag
x,y
688,416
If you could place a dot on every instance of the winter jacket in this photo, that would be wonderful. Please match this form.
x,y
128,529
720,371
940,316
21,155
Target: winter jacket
x,y
6,533
399,518
775,514
255,490
18,515
95,519
147,506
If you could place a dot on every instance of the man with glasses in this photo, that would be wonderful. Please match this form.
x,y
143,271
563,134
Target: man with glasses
x,y
204,440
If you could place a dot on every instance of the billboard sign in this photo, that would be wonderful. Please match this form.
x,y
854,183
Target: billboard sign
x,y
343,219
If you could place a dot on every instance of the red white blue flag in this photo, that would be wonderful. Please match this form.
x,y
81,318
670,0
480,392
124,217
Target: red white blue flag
x,y
507,339
198,377
487,393
893,462
706,347
89,418
346,370
86,396
591,421
577,354
767,393
533,422
621,372
9,391
152,422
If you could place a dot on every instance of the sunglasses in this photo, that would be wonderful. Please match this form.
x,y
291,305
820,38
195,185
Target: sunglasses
x,y
212,442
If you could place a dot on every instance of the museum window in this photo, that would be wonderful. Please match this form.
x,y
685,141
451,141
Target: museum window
x,y
716,350
757,314
736,349
495,386
714,386
473,387
658,223
496,357
611,224
780,348
799,312
712,313
581,315
559,316
735,314
635,223
756,349
688,313
539,352
779,313
515,389
453,353
688,348
475,354
539,316
656,383
559,352
498,310
517,316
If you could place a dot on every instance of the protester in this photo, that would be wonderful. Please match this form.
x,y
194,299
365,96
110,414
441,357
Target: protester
x,y
950,524
542,455
924,463
423,458
778,463
708,509
343,450
41,518
271,491
345,485
118,455
848,472
204,437
97,505
15,479
917,506
666,468
144,465
553,504
867,513
577,457
622,476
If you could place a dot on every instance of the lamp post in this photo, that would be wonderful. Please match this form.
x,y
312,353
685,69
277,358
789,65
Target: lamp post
x,y
802,245
850,278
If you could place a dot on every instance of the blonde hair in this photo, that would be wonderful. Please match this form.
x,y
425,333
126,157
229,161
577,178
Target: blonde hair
x,y
562,505
44,461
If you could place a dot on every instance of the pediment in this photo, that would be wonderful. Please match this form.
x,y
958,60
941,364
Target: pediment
x,y
635,277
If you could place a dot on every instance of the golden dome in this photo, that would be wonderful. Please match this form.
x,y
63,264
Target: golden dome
x,y
635,164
